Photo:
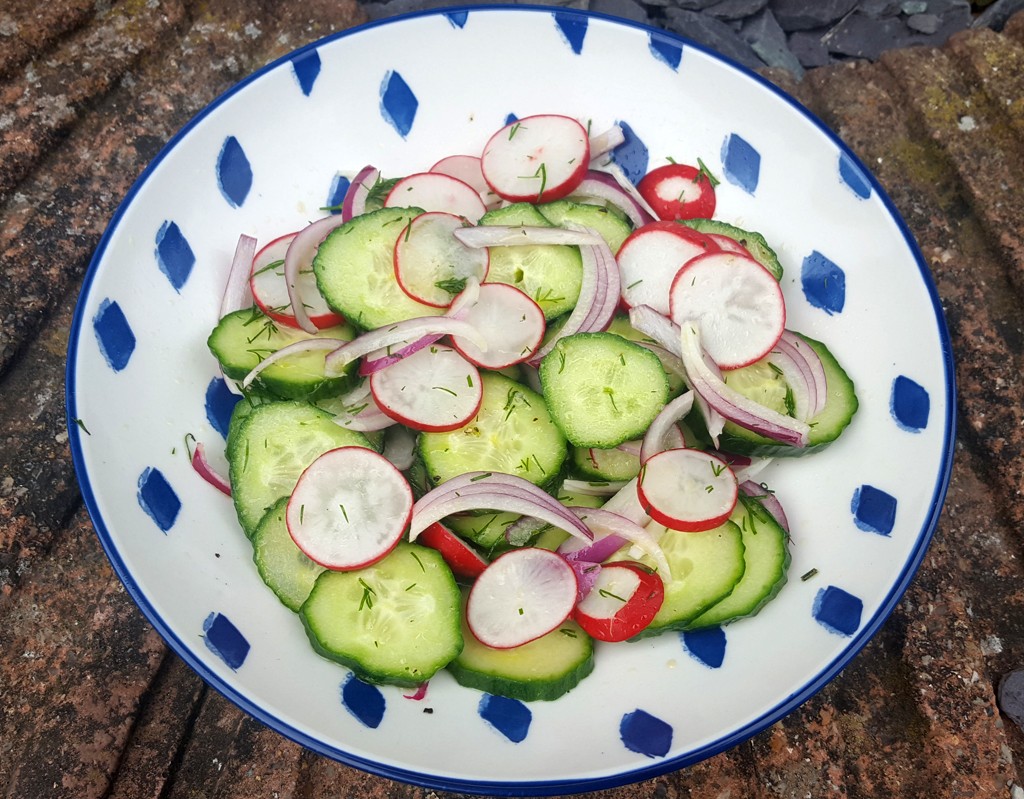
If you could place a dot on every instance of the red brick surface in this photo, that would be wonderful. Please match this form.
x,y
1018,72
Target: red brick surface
x,y
89,93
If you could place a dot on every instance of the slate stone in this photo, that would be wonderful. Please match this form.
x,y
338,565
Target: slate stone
x,y
768,41
1011,696
809,48
799,15
860,36
712,33
996,15
692,5
880,8
730,10
924,23
911,7
627,9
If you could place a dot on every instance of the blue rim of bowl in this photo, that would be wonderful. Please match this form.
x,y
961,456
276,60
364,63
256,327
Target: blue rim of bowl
x,y
540,787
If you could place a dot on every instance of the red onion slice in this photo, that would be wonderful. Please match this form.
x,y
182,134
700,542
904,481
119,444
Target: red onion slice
x,y
598,185
206,470
237,294
603,143
768,500
730,403
657,326
523,235
593,488
654,440
790,348
624,183
610,529
296,348
354,203
298,256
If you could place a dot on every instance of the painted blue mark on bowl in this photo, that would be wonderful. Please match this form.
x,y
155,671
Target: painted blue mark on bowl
x,y
510,118
631,156
397,103
909,404
113,334
646,734
307,69
665,50
174,256
234,174
225,641
838,611
458,18
741,163
220,404
158,499
824,283
573,30
364,701
853,177
873,510
336,194
706,646
510,717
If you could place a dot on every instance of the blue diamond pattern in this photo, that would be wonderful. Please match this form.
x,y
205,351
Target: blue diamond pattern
x,y
909,404
457,18
220,404
853,177
706,646
306,67
225,641
874,510
824,283
234,174
631,156
573,29
665,50
398,104
838,611
741,163
113,334
646,734
510,717
174,256
158,499
364,701
336,194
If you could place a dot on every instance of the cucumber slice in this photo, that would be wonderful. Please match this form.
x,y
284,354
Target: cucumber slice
x,y
512,432
826,426
355,270
673,368
611,464
244,338
602,390
755,243
395,622
766,555
706,566
550,274
612,227
544,669
282,565
271,447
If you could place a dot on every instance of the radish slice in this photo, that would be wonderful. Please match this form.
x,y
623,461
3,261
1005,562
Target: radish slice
x,y
400,446
651,256
431,264
728,243
736,303
623,600
206,470
520,596
687,489
362,415
236,289
433,390
510,321
732,405
354,203
467,169
464,561
598,185
664,423
270,291
536,159
679,191
349,508
298,271
434,191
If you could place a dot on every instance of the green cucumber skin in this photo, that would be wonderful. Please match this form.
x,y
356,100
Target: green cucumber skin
x,y
826,427
755,243
767,558
613,228
394,659
281,564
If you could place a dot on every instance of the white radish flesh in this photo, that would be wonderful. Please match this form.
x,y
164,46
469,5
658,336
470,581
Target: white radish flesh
x,y
467,169
520,596
431,264
349,508
687,489
434,191
651,256
511,322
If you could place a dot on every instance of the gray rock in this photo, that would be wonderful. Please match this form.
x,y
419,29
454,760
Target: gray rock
x,y
800,15
626,9
911,7
996,15
924,23
691,5
768,41
1010,696
713,34
809,48
880,8
735,9
860,36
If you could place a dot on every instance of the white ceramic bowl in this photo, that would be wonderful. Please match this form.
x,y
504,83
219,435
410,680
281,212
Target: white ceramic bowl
x,y
263,159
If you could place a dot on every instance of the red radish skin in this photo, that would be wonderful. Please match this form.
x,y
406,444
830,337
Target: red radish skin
x,y
467,169
270,292
537,158
464,561
650,258
521,595
349,508
679,191
434,191
688,490
511,322
624,599
428,258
